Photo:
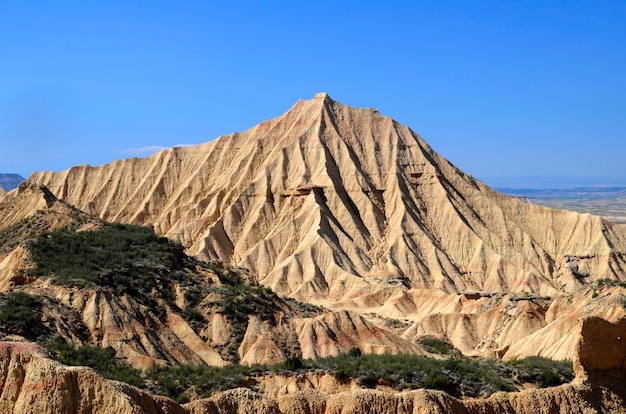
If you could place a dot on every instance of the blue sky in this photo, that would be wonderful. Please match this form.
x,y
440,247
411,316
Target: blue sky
x,y
502,88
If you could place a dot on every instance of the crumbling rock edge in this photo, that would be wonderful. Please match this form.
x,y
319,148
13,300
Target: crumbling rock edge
x,y
31,382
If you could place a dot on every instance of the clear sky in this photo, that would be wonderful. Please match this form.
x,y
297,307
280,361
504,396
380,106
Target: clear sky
x,y
500,88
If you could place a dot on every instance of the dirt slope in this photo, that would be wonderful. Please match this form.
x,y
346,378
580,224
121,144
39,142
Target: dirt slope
x,y
346,208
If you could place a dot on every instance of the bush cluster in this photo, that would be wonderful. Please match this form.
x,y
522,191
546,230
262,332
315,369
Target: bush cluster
x,y
20,313
458,375
103,360
545,371
130,259
610,282
184,382
93,256
436,346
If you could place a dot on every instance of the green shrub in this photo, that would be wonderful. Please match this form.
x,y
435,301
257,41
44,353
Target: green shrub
x,y
20,313
293,363
436,346
545,371
181,381
550,378
437,381
103,360
355,352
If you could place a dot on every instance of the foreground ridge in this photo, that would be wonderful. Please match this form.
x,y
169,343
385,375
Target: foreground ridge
x,y
32,382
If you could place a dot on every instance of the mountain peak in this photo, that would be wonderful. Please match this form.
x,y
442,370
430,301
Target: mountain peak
x,y
342,206
322,95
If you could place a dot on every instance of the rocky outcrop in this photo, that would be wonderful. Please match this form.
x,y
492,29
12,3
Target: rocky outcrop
x,y
600,357
30,382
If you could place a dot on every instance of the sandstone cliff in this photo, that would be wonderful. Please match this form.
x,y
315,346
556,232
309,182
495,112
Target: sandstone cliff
x,y
29,382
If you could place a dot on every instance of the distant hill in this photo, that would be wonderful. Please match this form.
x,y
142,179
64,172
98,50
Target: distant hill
x,y
10,181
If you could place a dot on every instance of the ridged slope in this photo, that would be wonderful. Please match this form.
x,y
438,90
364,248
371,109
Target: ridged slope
x,y
346,208
30,382
327,195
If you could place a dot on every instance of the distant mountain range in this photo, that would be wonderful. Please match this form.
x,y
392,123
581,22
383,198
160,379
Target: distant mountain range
x,y
10,181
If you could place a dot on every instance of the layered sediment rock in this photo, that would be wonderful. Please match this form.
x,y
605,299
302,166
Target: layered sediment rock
x,y
30,382
346,208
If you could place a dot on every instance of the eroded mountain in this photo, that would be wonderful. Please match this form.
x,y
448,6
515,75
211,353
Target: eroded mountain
x,y
347,209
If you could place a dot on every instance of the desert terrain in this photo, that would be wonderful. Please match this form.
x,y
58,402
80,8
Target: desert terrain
x,y
327,232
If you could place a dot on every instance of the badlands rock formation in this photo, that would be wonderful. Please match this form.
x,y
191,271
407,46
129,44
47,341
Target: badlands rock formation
x,y
329,201
346,208
145,332
30,382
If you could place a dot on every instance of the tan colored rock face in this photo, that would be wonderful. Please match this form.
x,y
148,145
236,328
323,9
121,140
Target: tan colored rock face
x,y
32,383
346,208
331,203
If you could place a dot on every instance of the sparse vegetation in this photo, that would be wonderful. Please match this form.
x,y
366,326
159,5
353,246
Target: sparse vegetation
x,y
436,346
306,310
33,226
545,371
129,259
395,323
600,283
103,360
610,282
134,261
236,300
115,254
458,375
184,382
20,313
